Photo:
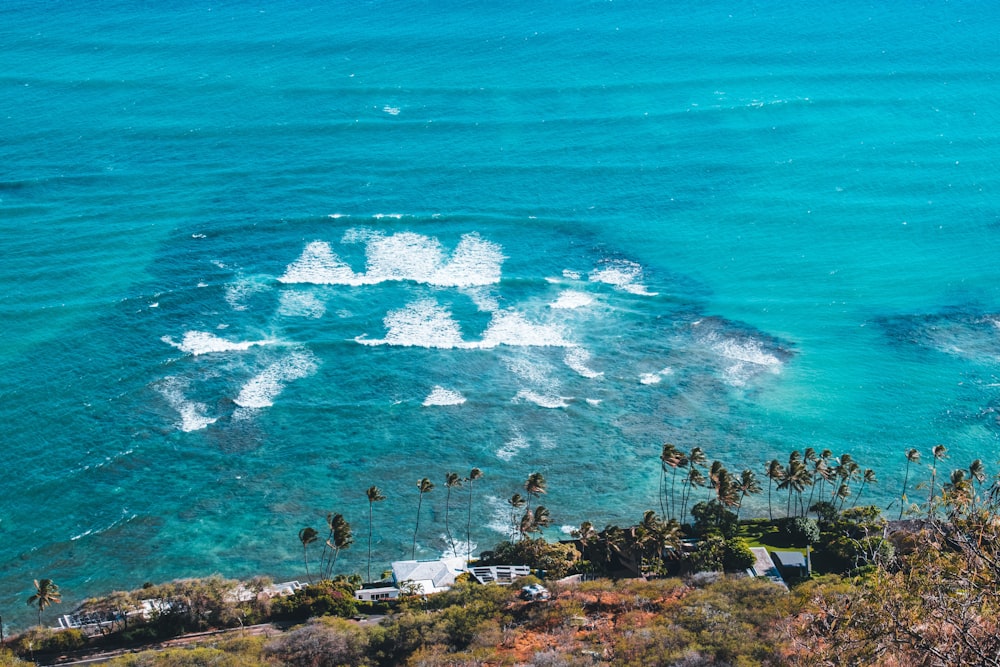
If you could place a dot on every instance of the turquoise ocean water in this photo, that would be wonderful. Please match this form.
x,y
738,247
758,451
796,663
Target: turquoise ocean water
x,y
259,257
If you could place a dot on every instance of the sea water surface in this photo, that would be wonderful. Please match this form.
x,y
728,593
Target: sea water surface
x,y
257,257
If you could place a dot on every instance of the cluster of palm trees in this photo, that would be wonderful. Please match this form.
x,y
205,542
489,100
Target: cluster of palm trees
x,y
813,470
727,488
341,537
808,476
452,480
532,520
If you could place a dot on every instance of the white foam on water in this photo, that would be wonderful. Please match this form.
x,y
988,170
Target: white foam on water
x,y
745,358
509,327
621,274
572,275
423,323
594,401
392,111
499,520
405,256
338,216
319,265
655,378
202,342
541,400
393,216
484,299
577,358
535,372
402,256
300,304
571,299
441,396
567,529
242,289
192,414
262,389
475,261
511,448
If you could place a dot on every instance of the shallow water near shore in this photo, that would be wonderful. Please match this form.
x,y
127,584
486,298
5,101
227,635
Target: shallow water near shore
x,y
259,259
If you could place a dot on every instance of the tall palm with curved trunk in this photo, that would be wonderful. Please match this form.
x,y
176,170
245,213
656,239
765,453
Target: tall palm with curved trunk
x,y
867,478
474,475
375,495
693,480
938,453
977,475
535,486
46,594
747,485
516,502
307,536
673,458
423,486
341,538
912,456
451,481
775,472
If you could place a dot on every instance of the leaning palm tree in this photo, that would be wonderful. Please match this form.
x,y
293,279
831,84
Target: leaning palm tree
x,y
535,486
46,594
693,480
775,472
423,486
747,484
867,478
673,458
374,496
451,481
977,475
307,536
585,534
912,456
516,502
938,453
341,538
474,475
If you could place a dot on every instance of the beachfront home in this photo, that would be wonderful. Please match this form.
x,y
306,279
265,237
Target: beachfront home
x,y
499,574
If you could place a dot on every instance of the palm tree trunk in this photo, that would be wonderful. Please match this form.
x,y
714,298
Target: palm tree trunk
x,y
413,551
369,540
902,496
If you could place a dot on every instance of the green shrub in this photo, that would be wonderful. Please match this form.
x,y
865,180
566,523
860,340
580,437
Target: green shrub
x,y
801,531
737,555
326,598
713,516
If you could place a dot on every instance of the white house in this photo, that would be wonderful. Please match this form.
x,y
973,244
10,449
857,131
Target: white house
x,y
427,576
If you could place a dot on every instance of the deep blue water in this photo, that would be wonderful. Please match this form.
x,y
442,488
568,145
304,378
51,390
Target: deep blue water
x,y
259,258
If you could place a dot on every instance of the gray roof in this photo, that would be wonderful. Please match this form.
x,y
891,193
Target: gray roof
x,y
422,570
790,558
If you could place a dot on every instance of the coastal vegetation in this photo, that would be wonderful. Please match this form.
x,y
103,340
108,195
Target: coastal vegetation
x,y
917,590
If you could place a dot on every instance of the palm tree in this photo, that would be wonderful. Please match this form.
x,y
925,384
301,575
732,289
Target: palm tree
x,y
46,594
673,458
374,496
693,479
842,493
342,538
451,481
307,536
795,479
423,486
977,475
535,485
957,491
912,456
867,478
516,502
938,452
474,475
715,473
748,484
585,533
666,454
775,472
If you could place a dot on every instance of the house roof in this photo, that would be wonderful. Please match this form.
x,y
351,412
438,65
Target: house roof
x,y
441,573
790,558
